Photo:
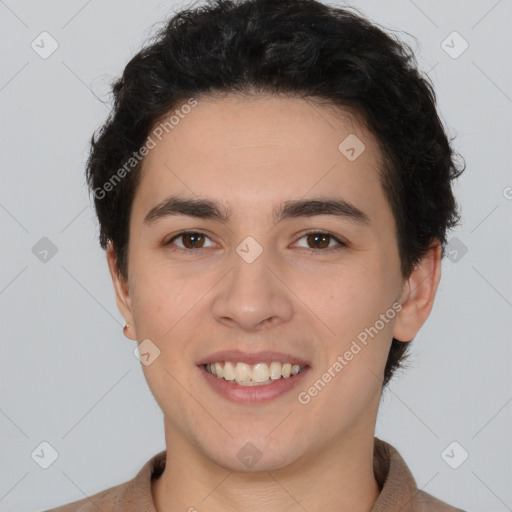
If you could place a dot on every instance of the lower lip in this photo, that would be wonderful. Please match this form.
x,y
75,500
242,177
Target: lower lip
x,y
252,394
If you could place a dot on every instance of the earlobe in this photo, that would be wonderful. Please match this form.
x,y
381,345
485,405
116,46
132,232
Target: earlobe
x,y
418,294
121,291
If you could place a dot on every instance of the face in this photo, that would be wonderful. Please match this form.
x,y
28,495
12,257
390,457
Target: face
x,y
290,259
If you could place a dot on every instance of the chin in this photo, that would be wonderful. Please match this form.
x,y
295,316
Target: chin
x,y
252,454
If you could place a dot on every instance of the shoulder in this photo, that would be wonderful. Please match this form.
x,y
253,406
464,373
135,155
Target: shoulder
x,y
398,486
134,494
424,502
104,501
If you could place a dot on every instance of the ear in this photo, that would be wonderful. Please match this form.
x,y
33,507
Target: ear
x,y
418,294
122,292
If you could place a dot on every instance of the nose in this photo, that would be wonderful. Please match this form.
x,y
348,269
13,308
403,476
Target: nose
x,y
253,296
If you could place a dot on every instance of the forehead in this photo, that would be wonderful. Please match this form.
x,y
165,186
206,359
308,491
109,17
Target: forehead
x,y
262,150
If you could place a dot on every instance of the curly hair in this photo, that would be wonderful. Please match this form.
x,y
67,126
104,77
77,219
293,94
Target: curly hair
x,y
300,48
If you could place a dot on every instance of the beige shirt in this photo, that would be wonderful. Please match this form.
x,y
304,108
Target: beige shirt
x,y
398,490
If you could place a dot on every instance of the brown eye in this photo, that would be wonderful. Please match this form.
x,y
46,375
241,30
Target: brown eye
x,y
190,240
193,240
319,240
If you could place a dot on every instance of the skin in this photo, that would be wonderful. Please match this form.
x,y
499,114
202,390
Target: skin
x,y
252,154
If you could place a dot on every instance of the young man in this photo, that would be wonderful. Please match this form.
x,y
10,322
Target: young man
x,y
273,189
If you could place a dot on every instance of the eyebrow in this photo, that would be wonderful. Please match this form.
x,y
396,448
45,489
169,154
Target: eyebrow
x,y
210,209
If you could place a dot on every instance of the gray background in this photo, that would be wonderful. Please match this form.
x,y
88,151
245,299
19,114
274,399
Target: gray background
x,y
69,377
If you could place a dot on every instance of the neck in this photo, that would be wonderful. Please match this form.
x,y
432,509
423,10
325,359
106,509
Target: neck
x,y
338,478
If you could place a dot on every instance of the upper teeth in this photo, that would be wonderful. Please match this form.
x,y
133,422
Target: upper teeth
x,y
260,373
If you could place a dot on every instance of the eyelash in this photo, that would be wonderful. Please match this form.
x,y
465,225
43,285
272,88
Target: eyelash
x,y
341,243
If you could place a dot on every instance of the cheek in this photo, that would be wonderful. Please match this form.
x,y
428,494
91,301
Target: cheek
x,y
358,309
163,312
352,299
160,299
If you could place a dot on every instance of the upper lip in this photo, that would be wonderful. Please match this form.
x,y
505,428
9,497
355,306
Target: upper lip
x,y
251,357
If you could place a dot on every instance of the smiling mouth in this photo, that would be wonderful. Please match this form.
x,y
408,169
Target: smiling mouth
x,y
259,374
